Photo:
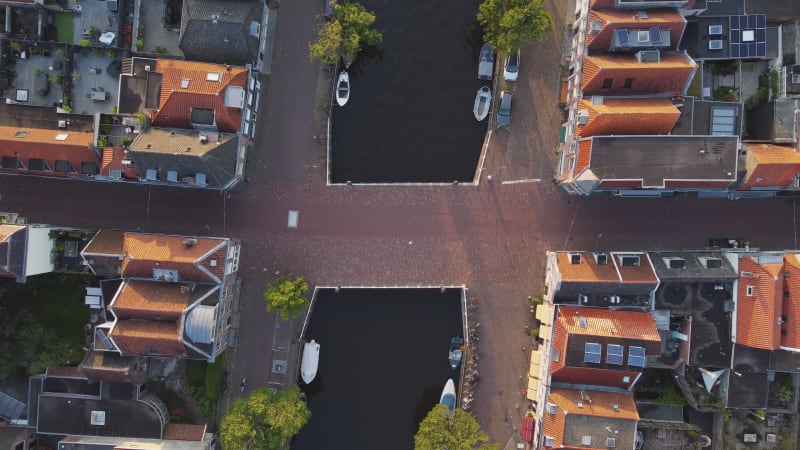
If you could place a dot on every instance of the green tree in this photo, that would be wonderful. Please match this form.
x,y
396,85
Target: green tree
x,y
508,24
27,344
285,295
457,431
264,420
343,36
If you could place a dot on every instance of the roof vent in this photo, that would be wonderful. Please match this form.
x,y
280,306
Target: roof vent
x,y
189,242
147,68
98,418
582,322
215,18
616,407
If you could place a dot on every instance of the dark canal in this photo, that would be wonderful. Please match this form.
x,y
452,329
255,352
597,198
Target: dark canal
x,y
409,118
383,364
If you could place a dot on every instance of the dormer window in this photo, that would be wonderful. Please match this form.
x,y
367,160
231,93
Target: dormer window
x,y
552,408
601,259
549,441
574,258
630,260
713,263
676,263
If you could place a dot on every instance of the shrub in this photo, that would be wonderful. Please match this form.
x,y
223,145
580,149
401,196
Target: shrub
x,y
139,44
125,141
84,43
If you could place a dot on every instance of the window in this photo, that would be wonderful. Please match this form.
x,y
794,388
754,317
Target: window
x,y
552,408
549,442
614,354
212,76
713,263
751,291
153,351
611,442
586,440
21,133
626,379
601,259
591,352
571,163
185,83
556,355
574,258
628,83
677,263
607,83
630,260
61,137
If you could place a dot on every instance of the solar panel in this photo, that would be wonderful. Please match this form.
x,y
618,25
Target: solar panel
x,y
748,36
592,353
103,339
655,35
614,354
622,37
636,356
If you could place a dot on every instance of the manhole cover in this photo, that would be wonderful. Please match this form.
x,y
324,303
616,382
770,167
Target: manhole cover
x,y
278,366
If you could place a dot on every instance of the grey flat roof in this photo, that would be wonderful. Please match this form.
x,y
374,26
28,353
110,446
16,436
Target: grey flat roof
x,y
694,266
775,10
577,426
656,159
660,413
748,390
10,408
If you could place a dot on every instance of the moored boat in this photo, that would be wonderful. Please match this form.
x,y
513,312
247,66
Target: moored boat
x,y
455,352
448,397
486,63
343,88
482,102
310,361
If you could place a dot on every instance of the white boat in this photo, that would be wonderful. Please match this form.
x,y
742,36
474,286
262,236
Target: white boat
x,y
482,102
448,397
343,88
308,366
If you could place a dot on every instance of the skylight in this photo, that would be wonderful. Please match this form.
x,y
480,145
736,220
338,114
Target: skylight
x,y
212,76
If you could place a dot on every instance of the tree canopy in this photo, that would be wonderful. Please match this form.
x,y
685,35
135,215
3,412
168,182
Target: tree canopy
x,y
27,343
457,431
264,420
349,29
508,24
285,295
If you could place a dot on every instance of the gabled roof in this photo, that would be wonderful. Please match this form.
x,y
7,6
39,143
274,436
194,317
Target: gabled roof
x,y
219,31
573,416
790,331
757,314
587,269
47,145
106,242
668,76
140,299
195,259
631,116
148,338
608,323
668,20
112,160
770,166
205,89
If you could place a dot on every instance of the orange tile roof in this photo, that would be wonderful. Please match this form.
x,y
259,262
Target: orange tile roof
x,y
39,143
112,159
105,242
601,407
138,337
757,315
604,322
140,299
770,166
144,251
7,231
615,19
791,303
184,432
584,155
633,116
643,273
669,76
176,102
588,270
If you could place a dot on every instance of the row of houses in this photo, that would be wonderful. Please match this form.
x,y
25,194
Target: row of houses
x,y
159,298
103,107
717,326
632,127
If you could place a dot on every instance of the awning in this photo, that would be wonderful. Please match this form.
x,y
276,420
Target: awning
x,y
533,388
527,428
544,313
533,374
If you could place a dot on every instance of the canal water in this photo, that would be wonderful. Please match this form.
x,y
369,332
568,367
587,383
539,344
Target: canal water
x,y
383,364
409,117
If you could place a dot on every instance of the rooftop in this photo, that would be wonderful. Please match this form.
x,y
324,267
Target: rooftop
x,y
221,31
194,259
105,242
636,116
770,166
760,297
589,418
658,159
692,266
709,118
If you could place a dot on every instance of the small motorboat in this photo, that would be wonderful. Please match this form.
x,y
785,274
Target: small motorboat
x,y
486,63
455,352
308,366
482,102
343,88
448,397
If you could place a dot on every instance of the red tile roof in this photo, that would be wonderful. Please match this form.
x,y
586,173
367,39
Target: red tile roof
x,y
141,299
791,303
628,116
770,166
604,322
584,155
143,337
145,252
7,231
669,76
177,102
757,314
112,159
587,270
641,273
595,404
49,145
615,19
105,242
184,432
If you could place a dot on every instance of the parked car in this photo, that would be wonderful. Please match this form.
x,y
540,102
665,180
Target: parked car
x,y
511,69
504,112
